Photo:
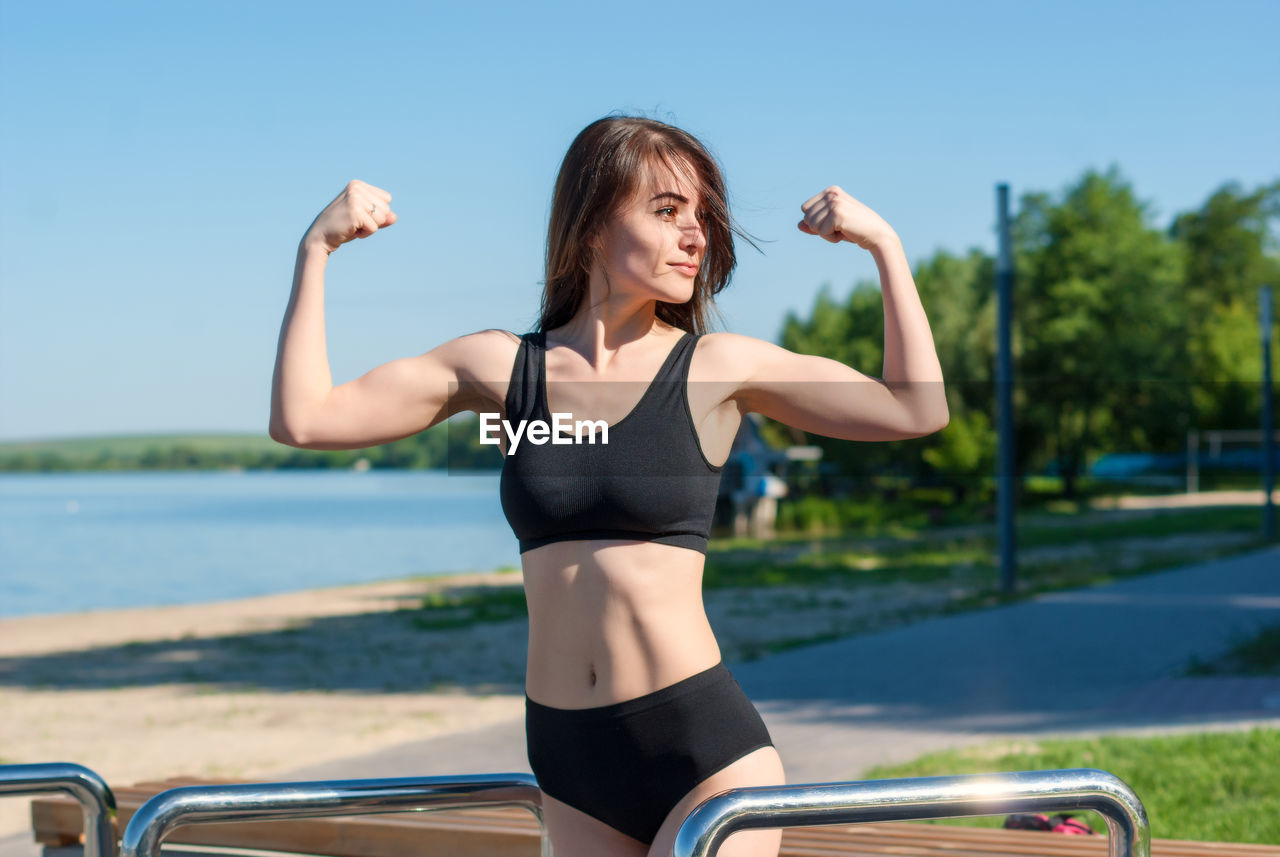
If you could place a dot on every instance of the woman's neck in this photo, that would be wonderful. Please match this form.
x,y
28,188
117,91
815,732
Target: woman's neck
x,y
598,332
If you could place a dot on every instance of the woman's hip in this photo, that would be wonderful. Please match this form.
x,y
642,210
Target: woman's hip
x,y
629,762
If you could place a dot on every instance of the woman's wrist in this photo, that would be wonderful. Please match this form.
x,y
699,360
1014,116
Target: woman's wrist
x,y
311,245
887,239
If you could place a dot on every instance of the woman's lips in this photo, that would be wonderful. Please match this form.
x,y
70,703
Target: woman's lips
x,y
691,270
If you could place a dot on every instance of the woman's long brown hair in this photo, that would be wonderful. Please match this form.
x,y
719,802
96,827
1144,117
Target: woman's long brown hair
x,y
599,174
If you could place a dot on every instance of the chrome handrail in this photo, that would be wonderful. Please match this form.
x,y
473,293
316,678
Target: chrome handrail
x,y
89,789
189,805
712,821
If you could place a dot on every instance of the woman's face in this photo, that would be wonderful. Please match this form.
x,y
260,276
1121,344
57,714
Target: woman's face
x,y
653,247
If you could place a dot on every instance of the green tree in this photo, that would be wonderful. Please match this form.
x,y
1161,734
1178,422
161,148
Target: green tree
x,y
964,452
1100,327
1230,252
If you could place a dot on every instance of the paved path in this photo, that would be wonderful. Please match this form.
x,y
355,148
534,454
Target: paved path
x,y
1085,660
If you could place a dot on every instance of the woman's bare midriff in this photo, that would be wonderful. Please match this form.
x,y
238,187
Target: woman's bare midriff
x,y
613,620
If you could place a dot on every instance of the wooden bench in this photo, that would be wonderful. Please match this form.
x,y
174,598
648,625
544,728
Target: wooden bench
x,y
513,832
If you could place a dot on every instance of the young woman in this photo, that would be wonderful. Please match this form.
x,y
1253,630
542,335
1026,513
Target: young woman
x,y
631,718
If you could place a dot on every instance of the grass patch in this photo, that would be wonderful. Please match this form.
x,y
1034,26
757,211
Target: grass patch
x,y
1227,519
1034,529
972,588
968,558
1219,786
957,571
923,565
459,609
1258,655
911,515
754,650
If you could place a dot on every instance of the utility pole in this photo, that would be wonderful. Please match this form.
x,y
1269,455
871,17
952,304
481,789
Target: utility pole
x,y
1268,475
1006,479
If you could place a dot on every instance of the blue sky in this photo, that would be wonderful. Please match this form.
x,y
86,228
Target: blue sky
x,y
159,161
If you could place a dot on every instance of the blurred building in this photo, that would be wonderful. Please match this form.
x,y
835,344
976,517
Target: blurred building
x,y
754,479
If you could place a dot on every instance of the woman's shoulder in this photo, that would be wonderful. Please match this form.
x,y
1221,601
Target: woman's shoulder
x,y
732,346
722,355
496,334
485,355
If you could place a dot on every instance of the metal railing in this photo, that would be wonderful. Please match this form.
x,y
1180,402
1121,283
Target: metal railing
x,y
189,805
84,785
713,820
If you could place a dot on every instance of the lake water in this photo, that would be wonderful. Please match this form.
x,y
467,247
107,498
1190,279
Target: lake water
x,y
84,541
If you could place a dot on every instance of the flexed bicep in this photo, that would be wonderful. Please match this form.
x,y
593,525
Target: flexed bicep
x,y
821,395
405,396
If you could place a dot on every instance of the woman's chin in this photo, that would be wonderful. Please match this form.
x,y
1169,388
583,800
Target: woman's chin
x,y
666,295
681,297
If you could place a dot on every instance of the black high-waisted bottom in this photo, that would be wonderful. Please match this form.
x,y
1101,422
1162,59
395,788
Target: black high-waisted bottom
x,y
628,764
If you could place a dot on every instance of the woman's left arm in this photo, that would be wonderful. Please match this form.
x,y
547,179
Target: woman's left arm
x,y
826,397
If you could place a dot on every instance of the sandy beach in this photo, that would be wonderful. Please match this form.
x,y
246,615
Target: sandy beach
x,y
247,688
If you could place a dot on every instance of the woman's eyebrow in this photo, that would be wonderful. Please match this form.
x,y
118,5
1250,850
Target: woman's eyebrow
x,y
666,194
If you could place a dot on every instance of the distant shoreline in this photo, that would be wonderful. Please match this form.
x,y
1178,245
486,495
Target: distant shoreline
x,y
449,445
74,630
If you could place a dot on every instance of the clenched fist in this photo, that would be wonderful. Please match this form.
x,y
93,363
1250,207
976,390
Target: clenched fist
x,y
358,212
836,216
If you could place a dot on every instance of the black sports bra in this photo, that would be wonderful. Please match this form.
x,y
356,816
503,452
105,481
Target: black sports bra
x,y
649,482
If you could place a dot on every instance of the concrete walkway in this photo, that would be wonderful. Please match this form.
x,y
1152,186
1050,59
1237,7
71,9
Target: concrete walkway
x,y
1082,661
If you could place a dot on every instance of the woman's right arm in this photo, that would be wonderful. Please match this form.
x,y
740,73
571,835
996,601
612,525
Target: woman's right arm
x,y
392,401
